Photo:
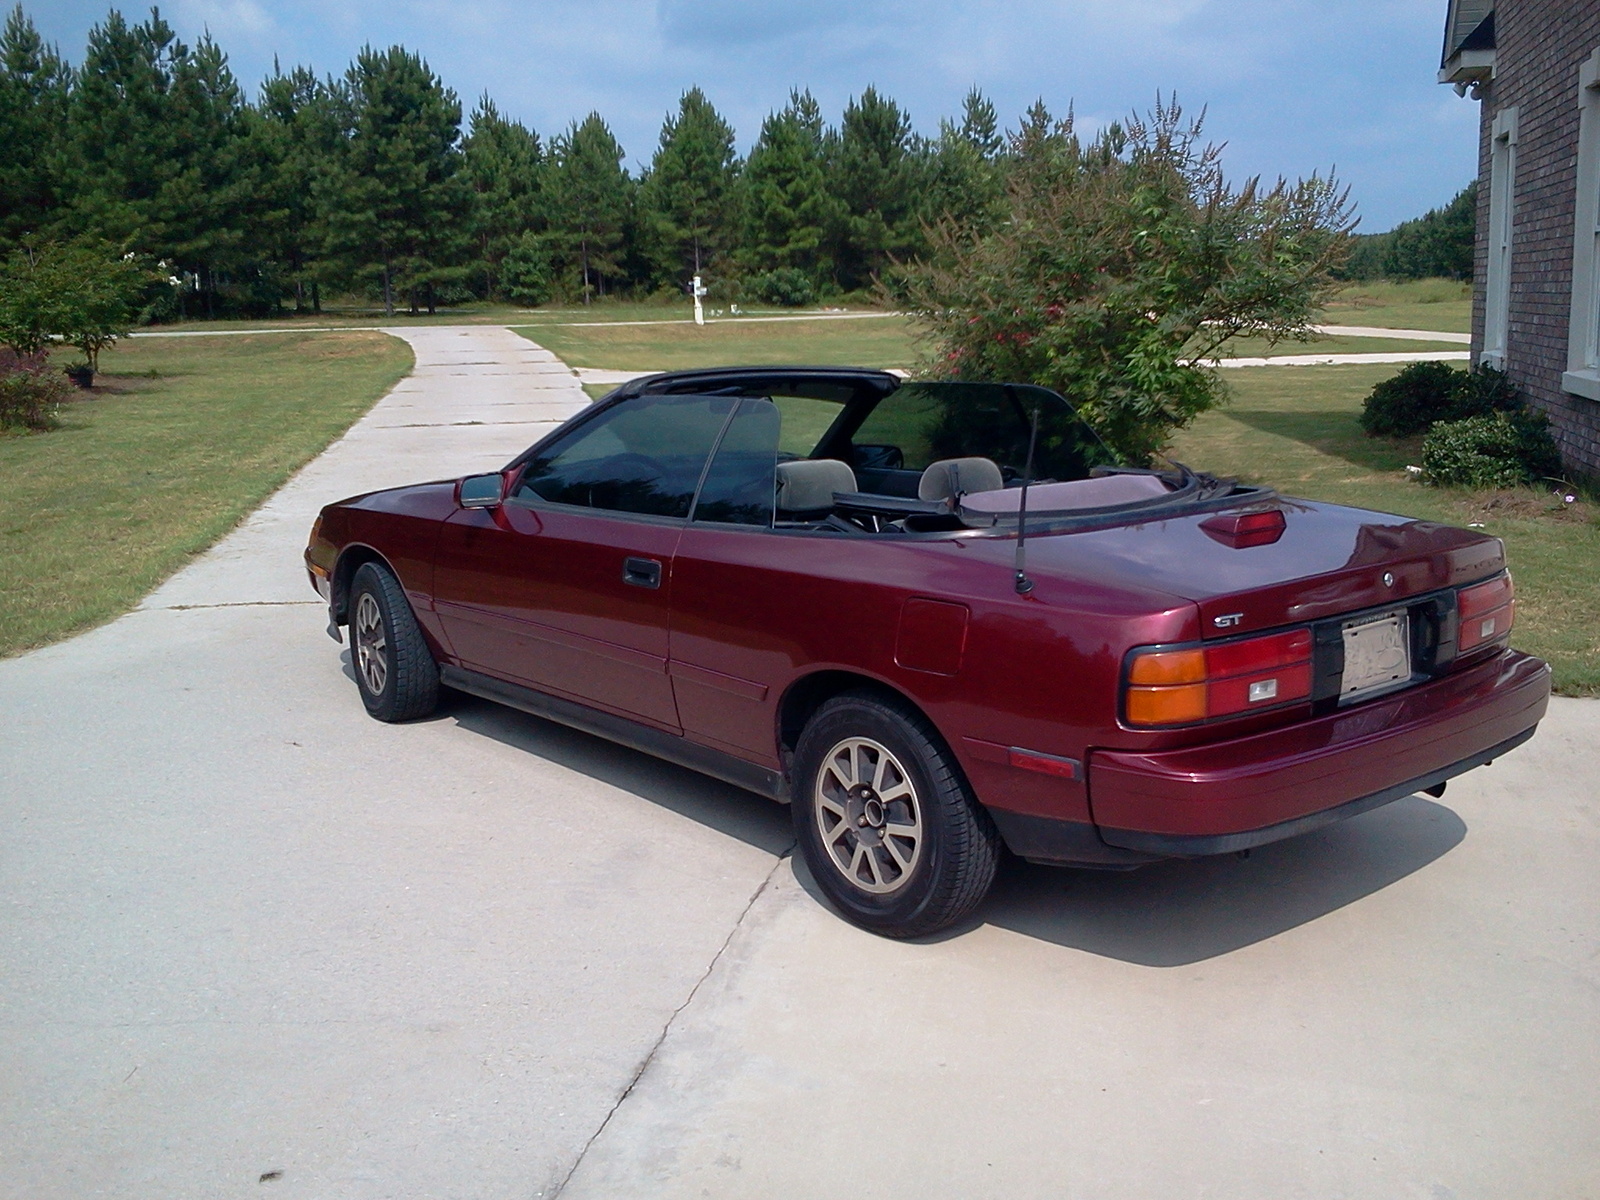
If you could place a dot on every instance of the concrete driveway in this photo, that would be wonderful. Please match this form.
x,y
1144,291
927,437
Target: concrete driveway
x,y
256,944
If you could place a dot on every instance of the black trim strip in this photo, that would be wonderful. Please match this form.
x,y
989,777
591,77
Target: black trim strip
x,y
1195,846
1059,843
672,747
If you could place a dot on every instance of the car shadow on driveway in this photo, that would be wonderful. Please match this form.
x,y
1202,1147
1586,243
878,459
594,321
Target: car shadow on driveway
x,y
752,819
1175,913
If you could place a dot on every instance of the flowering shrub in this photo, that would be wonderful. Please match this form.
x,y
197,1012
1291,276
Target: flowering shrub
x,y
31,391
1120,267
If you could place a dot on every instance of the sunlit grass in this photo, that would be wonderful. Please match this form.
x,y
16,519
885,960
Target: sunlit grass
x,y
1443,304
181,438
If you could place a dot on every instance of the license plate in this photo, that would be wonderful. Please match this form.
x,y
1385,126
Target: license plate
x,y
1377,655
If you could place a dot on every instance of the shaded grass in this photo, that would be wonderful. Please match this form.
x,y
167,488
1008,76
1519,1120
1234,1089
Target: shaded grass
x,y
1295,428
180,439
876,342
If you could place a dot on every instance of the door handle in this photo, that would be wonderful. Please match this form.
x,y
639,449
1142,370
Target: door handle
x,y
641,572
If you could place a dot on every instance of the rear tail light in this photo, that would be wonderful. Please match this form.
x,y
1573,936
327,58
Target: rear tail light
x,y
1485,612
1198,683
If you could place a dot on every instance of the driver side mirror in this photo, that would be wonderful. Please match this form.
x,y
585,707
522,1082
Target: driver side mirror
x,y
482,491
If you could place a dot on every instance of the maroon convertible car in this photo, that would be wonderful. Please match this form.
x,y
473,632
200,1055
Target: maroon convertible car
x,y
931,618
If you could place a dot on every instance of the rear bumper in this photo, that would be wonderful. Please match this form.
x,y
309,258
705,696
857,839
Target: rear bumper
x,y
1232,795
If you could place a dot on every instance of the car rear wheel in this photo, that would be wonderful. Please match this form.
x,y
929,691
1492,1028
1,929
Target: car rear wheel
x,y
395,669
885,821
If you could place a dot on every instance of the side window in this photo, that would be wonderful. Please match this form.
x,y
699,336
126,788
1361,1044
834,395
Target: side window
x,y
803,421
741,483
906,419
644,455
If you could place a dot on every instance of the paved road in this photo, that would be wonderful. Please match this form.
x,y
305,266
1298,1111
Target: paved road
x,y
247,930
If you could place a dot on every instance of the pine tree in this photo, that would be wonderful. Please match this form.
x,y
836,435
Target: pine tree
x,y
787,207
294,137
397,205
963,181
685,198
875,172
504,162
33,101
151,156
590,200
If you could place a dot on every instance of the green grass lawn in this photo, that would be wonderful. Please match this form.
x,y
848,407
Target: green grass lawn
x,y
180,439
1295,428
871,342
874,342
1443,304
1260,347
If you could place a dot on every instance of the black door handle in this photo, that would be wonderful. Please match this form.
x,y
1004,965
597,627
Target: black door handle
x,y
641,572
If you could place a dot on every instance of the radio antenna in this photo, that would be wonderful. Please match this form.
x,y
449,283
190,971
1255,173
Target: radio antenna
x,y
1023,584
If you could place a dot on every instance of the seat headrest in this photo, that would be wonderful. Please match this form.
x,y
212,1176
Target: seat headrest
x,y
808,484
952,477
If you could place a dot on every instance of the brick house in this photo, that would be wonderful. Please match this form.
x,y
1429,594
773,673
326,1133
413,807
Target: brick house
x,y
1534,68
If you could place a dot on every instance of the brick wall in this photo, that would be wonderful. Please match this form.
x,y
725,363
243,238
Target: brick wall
x,y
1539,45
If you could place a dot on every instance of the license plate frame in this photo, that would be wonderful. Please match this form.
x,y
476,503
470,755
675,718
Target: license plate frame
x,y
1377,655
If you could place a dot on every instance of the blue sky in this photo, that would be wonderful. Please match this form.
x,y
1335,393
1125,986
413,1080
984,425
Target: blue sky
x,y
1292,86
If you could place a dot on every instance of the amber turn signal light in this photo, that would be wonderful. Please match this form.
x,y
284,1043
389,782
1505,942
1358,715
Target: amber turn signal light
x,y
1188,684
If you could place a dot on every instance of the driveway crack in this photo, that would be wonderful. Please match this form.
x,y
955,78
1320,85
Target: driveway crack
x,y
650,1055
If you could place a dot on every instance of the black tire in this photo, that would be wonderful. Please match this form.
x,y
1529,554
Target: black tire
x,y
395,670
899,886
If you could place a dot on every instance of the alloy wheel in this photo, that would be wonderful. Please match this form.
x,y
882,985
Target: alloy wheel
x,y
372,644
869,816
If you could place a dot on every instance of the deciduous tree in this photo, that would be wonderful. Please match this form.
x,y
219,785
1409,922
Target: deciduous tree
x,y
1124,262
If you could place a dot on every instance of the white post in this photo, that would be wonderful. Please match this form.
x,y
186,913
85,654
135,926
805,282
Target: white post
x,y
697,292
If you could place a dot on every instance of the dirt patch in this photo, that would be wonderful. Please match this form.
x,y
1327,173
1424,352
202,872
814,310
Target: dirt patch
x,y
1531,504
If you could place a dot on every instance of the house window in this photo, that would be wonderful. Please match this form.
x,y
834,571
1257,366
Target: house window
x,y
1502,192
1583,333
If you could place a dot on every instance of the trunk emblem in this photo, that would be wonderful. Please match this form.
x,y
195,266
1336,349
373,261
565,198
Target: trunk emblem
x,y
1388,579
1227,620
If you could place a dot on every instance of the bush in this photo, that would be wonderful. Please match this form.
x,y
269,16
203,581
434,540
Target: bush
x,y
1496,450
1120,265
30,391
525,275
1426,393
786,286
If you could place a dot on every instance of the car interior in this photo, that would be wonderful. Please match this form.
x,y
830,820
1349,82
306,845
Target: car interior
x,y
863,452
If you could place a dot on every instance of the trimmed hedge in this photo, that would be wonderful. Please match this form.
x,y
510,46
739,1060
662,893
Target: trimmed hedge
x,y
1495,450
1426,393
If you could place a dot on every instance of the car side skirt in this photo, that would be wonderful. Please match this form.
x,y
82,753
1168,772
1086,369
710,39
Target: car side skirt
x,y
1194,846
672,747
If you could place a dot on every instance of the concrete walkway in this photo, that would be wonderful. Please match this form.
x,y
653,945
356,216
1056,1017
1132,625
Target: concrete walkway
x,y
256,944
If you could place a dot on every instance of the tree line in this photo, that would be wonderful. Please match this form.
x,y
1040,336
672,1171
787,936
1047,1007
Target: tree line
x,y
371,183
1438,243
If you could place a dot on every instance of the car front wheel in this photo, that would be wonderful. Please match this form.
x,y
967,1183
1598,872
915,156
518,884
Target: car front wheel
x,y
395,669
885,821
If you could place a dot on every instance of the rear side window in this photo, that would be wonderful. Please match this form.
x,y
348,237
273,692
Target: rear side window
x,y
644,455
922,422
741,485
